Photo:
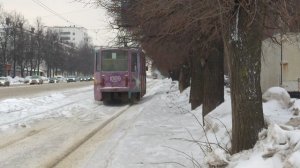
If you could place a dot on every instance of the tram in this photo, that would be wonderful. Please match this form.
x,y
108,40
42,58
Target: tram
x,y
119,73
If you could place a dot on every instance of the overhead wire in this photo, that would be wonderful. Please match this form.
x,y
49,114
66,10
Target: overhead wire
x,y
41,4
70,12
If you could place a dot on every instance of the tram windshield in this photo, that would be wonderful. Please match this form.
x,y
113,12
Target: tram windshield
x,y
114,60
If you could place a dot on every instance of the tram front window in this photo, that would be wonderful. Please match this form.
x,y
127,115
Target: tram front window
x,y
113,60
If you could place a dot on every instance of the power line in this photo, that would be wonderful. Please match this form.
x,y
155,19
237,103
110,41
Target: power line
x,y
70,12
39,3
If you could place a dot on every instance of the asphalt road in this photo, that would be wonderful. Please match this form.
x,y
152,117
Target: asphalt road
x,y
15,91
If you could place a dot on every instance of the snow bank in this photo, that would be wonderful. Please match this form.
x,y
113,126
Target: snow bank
x,y
279,94
278,147
16,80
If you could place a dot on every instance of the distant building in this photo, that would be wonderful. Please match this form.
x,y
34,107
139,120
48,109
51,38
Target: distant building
x,y
71,35
281,62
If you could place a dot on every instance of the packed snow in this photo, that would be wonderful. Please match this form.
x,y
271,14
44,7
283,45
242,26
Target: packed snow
x,y
166,133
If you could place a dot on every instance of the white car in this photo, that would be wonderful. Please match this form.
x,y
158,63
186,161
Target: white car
x,y
4,81
27,78
35,80
61,79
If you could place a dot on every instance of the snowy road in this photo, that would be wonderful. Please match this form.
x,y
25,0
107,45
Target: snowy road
x,y
63,129
53,126
26,90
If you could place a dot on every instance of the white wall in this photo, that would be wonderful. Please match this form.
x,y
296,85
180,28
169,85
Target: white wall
x,y
271,62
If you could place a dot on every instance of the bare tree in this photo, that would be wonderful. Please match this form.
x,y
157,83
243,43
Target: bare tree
x,y
17,41
48,49
39,38
5,38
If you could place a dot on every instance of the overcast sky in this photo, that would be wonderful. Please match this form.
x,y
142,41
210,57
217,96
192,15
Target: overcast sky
x,y
94,19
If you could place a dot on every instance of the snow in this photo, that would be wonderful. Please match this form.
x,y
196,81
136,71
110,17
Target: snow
x,y
235,35
162,130
279,94
16,80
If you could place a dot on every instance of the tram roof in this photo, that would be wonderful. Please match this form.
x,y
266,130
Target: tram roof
x,y
118,48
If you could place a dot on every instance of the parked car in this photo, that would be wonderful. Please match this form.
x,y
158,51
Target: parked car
x,y
90,78
83,78
45,79
61,79
71,79
53,80
4,81
35,80
27,78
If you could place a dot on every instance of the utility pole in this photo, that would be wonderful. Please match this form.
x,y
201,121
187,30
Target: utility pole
x,y
281,59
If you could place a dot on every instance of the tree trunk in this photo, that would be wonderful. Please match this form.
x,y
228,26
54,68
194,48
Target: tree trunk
x,y
31,67
184,78
15,67
247,112
49,71
14,55
55,71
22,70
174,74
197,82
213,79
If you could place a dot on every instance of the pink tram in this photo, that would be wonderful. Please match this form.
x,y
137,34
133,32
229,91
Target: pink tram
x,y
120,73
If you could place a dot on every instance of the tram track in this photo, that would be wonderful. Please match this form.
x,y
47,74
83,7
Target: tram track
x,y
50,141
26,134
80,142
56,163
55,158
21,136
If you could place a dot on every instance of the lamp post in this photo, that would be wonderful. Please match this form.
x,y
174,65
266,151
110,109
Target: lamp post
x,y
281,39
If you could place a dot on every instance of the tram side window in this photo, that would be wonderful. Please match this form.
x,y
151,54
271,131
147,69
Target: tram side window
x,y
113,60
134,60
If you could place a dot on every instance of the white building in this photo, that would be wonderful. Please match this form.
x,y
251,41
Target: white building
x,y
281,62
72,35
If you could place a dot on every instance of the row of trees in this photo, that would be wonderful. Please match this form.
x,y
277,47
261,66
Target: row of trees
x,y
27,47
196,36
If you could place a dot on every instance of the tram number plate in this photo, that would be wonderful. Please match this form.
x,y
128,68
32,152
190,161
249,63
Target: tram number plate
x,y
115,78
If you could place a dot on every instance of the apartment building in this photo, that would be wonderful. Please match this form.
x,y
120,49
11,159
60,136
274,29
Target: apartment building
x,y
71,35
